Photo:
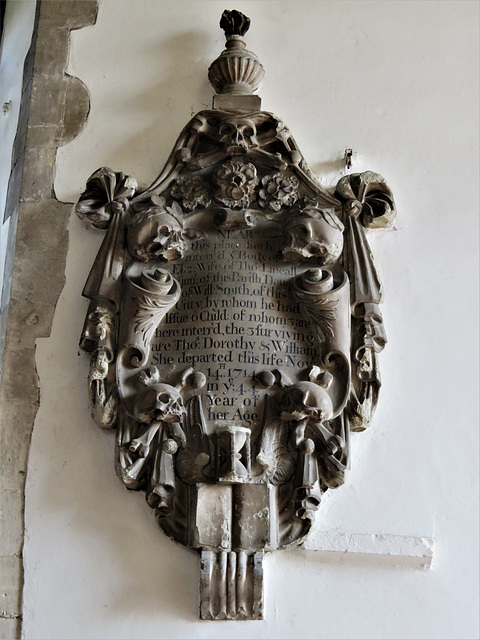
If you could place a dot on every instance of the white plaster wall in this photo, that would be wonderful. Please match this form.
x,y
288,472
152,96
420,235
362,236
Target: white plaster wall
x,y
16,39
397,82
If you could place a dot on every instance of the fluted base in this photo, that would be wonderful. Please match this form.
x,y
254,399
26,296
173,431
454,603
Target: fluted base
x,y
231,585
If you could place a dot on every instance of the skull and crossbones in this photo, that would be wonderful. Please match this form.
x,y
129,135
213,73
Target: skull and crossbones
x,y
238,135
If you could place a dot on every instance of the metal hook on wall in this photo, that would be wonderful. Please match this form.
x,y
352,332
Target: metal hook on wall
x,y
348,158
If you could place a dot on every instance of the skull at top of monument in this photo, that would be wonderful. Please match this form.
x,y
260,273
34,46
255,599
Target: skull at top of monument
x,y
156,232
238,134
313,234
307,400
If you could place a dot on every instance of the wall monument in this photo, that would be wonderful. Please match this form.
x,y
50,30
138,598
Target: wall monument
x,y
234,328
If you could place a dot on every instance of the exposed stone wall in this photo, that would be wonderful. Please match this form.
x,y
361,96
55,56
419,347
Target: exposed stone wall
x,y
58,111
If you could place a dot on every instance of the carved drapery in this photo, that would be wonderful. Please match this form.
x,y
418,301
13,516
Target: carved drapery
x,y
234,331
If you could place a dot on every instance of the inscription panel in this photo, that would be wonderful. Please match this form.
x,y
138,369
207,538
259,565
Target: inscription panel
x,y
235,317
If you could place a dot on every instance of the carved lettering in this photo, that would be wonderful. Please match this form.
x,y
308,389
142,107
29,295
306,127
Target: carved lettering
x,y
236,316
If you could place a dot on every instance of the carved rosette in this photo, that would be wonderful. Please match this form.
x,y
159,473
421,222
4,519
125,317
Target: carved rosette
x,y
192,191
234,331
236,182
278,191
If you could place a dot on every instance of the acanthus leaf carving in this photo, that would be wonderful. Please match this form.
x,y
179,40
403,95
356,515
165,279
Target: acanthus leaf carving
x,y
149,295
147,311
320,310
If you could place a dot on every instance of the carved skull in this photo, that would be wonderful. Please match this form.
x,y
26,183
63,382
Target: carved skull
x,y
307,400
160,402
313,234
238,134
155,233
169,403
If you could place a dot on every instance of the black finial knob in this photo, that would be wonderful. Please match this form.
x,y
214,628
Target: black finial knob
x,y
234,23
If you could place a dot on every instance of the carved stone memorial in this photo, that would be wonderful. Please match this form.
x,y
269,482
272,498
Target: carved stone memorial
x,y
234,328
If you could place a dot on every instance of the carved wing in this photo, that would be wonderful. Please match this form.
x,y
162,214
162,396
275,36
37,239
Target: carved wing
x,y
192,461
274,455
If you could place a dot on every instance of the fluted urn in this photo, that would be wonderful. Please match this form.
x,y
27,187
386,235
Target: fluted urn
x,y
237,71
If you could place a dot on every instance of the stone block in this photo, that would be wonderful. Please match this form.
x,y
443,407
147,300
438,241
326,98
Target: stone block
x,y
42,241
16,422
20,380
11,570
11,522
27,321
38,172
251,517
241,103
48,135
213,521
48,99
50,60
10,628
69,13
77,106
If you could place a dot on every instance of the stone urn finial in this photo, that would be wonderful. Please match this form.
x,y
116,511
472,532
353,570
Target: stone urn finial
x,y
237,71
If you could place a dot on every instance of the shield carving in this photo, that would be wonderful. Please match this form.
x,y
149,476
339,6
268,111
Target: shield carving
x,y
234,329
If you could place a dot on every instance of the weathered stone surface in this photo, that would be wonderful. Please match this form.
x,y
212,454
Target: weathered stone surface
x,y
231,585
77,106
11,527
29,320
16,422
20,381
37,275
48,99
72,14
39,259
10,628
48,135
47,60
38,173
12,575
